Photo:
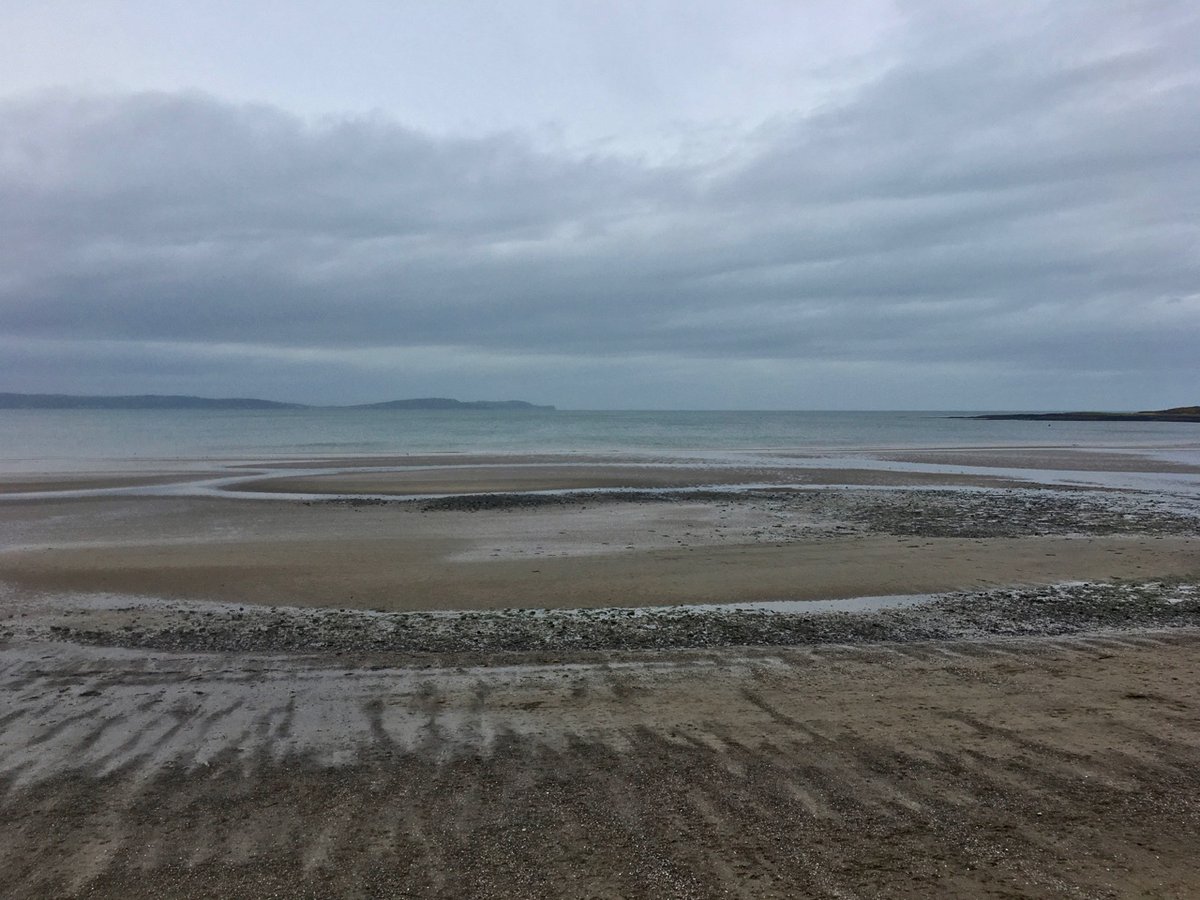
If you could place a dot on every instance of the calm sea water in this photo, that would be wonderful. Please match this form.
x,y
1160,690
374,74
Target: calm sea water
x,y
65,440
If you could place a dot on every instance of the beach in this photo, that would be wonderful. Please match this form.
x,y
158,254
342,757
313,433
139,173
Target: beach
x,y
577,451
942,671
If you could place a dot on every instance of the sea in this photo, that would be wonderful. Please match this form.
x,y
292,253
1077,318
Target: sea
x,y
110,440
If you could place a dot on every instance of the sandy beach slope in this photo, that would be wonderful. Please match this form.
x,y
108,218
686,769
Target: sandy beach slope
x,y
214,687
1019,768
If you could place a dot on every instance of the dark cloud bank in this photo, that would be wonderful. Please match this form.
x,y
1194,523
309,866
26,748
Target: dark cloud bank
x,y
998,220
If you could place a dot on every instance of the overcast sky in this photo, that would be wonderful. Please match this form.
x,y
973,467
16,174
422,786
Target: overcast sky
x,y
933,205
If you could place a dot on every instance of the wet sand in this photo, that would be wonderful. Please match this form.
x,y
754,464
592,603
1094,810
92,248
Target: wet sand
x,y
1025,768
47,483
467,479
589,550
1129,459
427,574
187,717
1046,458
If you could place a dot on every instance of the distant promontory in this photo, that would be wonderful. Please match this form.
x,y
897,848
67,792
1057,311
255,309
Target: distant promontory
x,y
178,401
1175,414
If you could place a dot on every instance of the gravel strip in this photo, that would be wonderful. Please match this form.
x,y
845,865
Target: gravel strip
x,y
982,513
1054,610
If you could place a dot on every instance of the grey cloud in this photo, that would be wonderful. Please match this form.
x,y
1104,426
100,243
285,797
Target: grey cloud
x,y
1011,198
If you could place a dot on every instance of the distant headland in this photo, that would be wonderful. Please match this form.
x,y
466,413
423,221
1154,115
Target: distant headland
x,y
1175,414
179,401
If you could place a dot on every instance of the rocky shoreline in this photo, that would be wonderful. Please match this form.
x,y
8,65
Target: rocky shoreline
x,y
1064,609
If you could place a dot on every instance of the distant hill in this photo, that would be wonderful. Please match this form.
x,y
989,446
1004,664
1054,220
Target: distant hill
x,y
176,401
1175,414
140,401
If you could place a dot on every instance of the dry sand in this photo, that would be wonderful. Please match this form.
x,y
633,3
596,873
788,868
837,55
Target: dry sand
x,y
1051,765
